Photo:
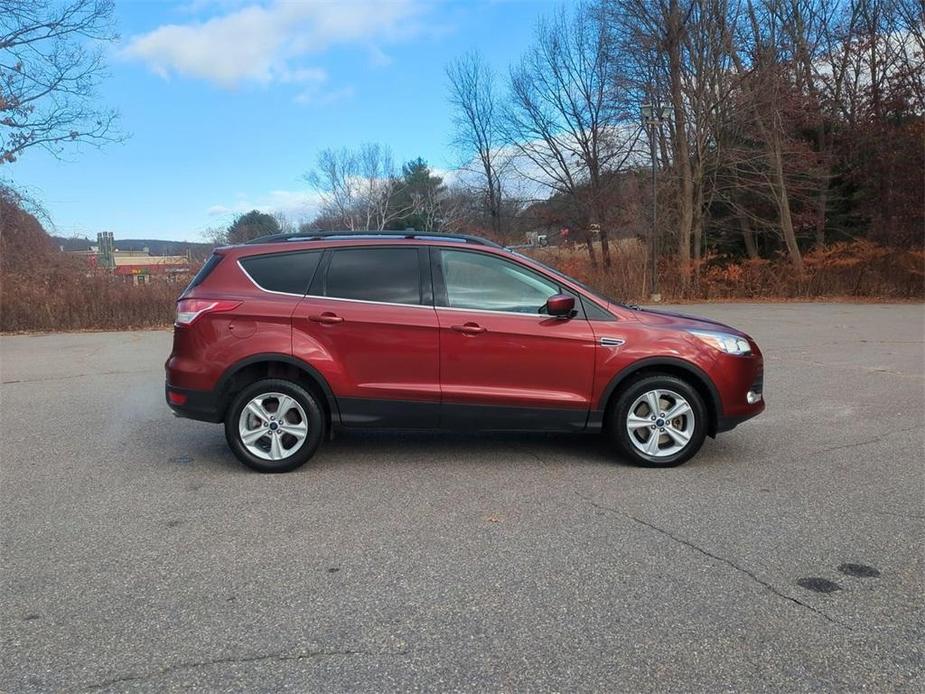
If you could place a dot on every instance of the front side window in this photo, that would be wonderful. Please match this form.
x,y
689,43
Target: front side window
x,y
390,275
485,282
289,273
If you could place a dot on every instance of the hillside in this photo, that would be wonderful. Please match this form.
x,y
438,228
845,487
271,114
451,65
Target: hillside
x,y
155,246
23,241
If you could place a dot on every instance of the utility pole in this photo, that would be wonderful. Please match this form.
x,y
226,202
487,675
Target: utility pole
x,y
653,117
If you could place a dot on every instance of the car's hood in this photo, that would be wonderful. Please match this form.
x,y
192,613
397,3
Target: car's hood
x,y
669,319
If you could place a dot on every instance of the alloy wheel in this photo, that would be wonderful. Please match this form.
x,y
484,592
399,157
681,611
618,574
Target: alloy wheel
x,y
273,426
660,423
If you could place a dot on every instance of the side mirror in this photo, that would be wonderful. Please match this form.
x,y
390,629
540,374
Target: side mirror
x,y
560,305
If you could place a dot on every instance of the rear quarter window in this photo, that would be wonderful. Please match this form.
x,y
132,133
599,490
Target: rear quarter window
x,y
289,273
204,271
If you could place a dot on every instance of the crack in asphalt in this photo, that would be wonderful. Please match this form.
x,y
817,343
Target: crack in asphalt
x,y
767,586
74,376
281,657
524,449
866,442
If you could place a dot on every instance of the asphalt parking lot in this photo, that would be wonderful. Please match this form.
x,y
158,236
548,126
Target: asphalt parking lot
x,y
138,555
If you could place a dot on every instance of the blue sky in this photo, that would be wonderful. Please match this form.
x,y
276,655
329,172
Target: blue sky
x,y
227,103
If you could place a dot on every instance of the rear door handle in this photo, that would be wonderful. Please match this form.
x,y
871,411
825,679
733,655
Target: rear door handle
x,y
469,329
326,318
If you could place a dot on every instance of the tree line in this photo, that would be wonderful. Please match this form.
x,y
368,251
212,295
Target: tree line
x,y
783,125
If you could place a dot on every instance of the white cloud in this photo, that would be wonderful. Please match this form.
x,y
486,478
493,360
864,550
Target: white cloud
x,y
265,43
296,204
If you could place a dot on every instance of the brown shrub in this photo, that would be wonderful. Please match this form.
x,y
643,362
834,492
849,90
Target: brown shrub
x,y
860,269
80,301
42,288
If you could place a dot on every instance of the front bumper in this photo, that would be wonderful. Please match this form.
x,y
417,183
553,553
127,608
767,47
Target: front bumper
x,y
739,379
730,423
202,405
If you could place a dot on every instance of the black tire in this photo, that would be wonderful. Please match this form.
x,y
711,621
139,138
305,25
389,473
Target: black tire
x,y
314,419
618,414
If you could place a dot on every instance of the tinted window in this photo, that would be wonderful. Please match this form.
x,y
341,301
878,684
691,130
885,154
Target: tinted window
x,y
595,312
479,281
283,272
375,274
205,270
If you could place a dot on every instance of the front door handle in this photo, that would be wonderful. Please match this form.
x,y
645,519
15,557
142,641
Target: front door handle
x,y
326,318
469,329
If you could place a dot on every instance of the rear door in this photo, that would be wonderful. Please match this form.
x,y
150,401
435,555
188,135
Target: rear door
x,y
369,325
504,364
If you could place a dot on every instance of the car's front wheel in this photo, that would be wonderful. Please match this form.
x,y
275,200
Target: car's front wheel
x,y
658,421
274,425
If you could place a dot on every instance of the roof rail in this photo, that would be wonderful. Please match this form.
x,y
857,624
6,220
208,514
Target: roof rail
x,y
327,235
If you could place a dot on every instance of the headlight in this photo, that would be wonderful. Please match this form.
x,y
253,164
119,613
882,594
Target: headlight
x,y
730,344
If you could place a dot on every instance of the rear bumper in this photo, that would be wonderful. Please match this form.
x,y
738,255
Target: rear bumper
x,y
202,405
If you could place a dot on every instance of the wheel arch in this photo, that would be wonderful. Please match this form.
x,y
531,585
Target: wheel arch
x,y
671,366
275,365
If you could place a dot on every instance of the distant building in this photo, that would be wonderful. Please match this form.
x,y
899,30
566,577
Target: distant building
x,y
137,267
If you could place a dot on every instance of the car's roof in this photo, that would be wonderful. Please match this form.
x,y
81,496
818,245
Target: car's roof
x,y
302,241
409,235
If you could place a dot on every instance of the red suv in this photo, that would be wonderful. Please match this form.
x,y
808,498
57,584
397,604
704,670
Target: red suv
x,y
292,336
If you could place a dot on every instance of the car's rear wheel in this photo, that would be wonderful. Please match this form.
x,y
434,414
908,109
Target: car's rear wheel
x,y
274,425
658,421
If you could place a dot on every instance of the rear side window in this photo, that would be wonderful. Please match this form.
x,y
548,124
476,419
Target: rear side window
x,y
205,271
390,275
289,273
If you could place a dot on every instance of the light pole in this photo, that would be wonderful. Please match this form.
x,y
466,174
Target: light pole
x,y
652,117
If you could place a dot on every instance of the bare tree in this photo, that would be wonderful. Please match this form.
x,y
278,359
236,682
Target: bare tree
x,y
673,53
477,124
357,188
567,118
764,65
51,63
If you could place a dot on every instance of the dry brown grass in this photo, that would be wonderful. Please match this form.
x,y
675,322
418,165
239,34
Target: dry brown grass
x,y
76,301
859,270
43,289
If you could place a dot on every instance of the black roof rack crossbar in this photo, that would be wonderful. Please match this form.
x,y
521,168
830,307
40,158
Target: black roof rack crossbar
x,y
421,235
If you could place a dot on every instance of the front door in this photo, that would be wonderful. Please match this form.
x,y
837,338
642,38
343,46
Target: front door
x,y
369,325
504,364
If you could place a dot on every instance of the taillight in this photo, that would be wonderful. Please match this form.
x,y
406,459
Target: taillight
x,y
188,310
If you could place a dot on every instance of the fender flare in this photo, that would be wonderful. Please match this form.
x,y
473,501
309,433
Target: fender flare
x,y
715,404
313,373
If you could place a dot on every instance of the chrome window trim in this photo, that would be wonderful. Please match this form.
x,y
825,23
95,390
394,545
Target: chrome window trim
x,y
254,282
366,301
430,306
488,310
